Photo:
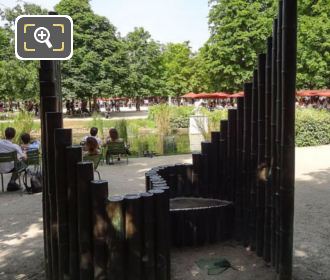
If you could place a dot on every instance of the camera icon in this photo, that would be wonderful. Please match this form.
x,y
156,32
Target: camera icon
x,y
44,37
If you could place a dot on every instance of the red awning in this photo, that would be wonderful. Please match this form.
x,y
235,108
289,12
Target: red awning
x,y
316,92
237,95
189,95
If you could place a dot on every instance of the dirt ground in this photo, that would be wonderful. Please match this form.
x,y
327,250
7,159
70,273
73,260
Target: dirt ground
x,y
21,236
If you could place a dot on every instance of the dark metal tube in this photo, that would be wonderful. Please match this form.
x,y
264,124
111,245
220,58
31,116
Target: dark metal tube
x,y
116,239
149,263
277,155
245,177
261,155
162,240
233,116
289,69
73,156
273,144
62,139
85,174
215,139
207,174
223,160
48,103
268,88
53,121
133,236
100,194
253,159
197,173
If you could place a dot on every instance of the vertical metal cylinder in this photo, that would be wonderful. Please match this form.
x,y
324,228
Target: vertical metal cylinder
x,y
232,150
253,160
73,156
215,139
162,240
100,194
207,174
117,267
53,121
289,69
273,143
47,104
268,88
133,236
223,159
246,151
189,180
148,253
85,174
277,155
197,173
260,207
62,139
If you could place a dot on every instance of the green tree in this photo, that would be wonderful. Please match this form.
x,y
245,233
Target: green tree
x,y
144,65
97,67
177,63
200,80
313,45
18,79
239,29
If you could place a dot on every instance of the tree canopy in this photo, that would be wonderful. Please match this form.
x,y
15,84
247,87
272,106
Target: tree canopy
x,y
105,64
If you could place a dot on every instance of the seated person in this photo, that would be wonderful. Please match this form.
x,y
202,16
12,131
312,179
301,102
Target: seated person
x,y
27,144
7,146
93,133
114,137
91,147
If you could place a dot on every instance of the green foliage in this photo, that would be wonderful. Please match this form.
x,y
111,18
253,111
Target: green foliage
x,y
313,61
179,115
18,79
214,118
98,64
177,64
312,127
239,29
121,126
144,64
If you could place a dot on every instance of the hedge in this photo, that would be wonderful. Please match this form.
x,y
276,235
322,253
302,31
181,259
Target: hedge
x,y
312,127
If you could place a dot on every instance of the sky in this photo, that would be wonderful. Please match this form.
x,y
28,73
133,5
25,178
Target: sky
x,y
167,20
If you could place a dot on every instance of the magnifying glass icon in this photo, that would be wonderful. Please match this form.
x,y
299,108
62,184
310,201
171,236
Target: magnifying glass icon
x,y
41,35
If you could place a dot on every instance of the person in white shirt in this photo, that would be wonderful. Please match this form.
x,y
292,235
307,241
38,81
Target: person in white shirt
x,y
7,146
93,133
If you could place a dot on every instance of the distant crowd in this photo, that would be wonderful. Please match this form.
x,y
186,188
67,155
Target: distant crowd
x,y
316,102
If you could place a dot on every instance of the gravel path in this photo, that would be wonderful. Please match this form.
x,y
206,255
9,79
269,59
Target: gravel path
x,y
21,242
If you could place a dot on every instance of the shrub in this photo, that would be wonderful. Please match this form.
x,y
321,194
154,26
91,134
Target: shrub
x,y
312,127
179,115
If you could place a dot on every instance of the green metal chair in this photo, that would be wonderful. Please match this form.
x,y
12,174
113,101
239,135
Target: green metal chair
x,y
32,159
19,166
95,159
116,149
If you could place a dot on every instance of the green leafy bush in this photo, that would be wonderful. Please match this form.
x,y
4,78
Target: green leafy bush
x,y
179,115
312,127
